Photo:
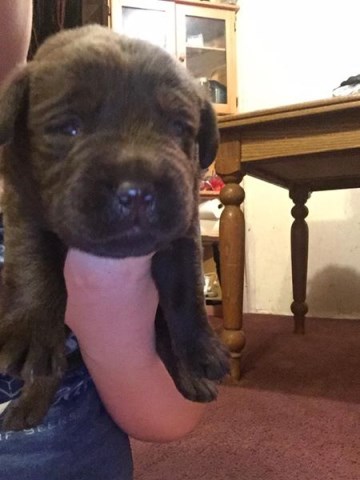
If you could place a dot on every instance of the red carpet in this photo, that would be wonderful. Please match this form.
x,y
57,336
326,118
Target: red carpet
x,y
295,415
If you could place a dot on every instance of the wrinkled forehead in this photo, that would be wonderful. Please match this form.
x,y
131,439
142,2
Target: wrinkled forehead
x,y
118,72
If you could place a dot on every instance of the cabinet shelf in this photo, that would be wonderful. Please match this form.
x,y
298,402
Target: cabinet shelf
x,y
205,49
209,194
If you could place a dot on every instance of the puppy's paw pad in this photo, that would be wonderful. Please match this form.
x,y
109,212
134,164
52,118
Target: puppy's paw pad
x,y
15,418
23,355
208,357
196,389
21,417
30,408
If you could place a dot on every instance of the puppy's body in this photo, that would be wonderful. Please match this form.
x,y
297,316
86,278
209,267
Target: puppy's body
x,y
105,138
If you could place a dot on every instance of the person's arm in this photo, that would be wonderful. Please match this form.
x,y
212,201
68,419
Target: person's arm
x,y
15,32
111,309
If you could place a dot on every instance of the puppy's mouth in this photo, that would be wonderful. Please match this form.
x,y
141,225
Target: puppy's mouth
x,y
132,235
133,241
134,231
120,233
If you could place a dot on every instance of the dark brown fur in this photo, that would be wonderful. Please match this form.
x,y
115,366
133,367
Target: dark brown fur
x,y
93,117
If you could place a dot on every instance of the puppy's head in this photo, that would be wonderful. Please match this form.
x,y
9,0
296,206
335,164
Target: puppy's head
x,y
110,135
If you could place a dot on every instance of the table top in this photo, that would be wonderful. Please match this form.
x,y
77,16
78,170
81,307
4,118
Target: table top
x,y
314,144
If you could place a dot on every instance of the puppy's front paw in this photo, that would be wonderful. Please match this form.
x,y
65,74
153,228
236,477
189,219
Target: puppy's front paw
x,y
31,407
205,356
200,366
24,355
194,388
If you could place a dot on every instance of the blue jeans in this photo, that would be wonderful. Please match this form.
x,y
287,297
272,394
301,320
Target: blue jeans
x,y
76,441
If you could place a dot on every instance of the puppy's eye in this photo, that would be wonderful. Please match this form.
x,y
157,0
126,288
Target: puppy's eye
x,y
68,128
180,128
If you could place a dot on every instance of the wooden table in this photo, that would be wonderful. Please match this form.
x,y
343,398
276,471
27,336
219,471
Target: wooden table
x,y
304,148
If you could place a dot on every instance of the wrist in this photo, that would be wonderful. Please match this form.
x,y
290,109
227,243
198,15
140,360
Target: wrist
x,y
85,271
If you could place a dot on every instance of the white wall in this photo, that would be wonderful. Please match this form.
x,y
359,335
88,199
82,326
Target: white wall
x,y
292,51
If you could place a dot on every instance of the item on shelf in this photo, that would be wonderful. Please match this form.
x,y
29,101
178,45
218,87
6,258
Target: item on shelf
x,y
351,86
211,285
195,40
211,183
231,2
210,210
217,91
209,214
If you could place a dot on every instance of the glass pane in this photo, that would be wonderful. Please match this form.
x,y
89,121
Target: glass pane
x,y
148,25
206,55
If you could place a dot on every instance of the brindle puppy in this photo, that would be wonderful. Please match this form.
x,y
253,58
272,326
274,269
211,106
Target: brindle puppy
x,y
105,139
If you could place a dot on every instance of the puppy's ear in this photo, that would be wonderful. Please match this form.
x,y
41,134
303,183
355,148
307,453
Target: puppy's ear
x,y
208,136
13,98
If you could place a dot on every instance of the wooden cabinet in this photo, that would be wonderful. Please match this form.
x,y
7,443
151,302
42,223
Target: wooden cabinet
x,y
200,34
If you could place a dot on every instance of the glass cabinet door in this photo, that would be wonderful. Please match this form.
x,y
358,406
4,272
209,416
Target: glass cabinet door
x,y
206,45
206,54
153,20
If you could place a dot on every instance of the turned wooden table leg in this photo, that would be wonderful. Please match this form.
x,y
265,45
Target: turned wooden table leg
x,y
299,256
232,252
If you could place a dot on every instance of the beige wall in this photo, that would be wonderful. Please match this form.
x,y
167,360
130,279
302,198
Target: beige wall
x,y
292,51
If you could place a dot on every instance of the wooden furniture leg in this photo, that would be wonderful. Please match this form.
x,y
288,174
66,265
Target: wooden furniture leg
x,y
299,256
232,253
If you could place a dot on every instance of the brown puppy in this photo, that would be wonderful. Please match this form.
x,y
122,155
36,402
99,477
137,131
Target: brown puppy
x,y
105,139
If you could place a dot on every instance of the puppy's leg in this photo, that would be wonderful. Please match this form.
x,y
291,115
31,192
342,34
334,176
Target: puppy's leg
x,y
32,331
196,358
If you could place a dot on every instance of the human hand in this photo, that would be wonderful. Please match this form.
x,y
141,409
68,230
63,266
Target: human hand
x,y
111,302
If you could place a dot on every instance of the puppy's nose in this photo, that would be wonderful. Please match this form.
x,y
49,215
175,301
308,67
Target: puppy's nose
x,y
135,197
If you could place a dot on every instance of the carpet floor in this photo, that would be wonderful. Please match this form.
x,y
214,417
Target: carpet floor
x,y
295,414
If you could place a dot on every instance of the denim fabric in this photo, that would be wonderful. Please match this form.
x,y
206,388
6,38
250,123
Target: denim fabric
x,y
77,441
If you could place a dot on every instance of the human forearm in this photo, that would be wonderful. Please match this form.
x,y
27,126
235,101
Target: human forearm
x,y
111,309
15,32
143,400
15,28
